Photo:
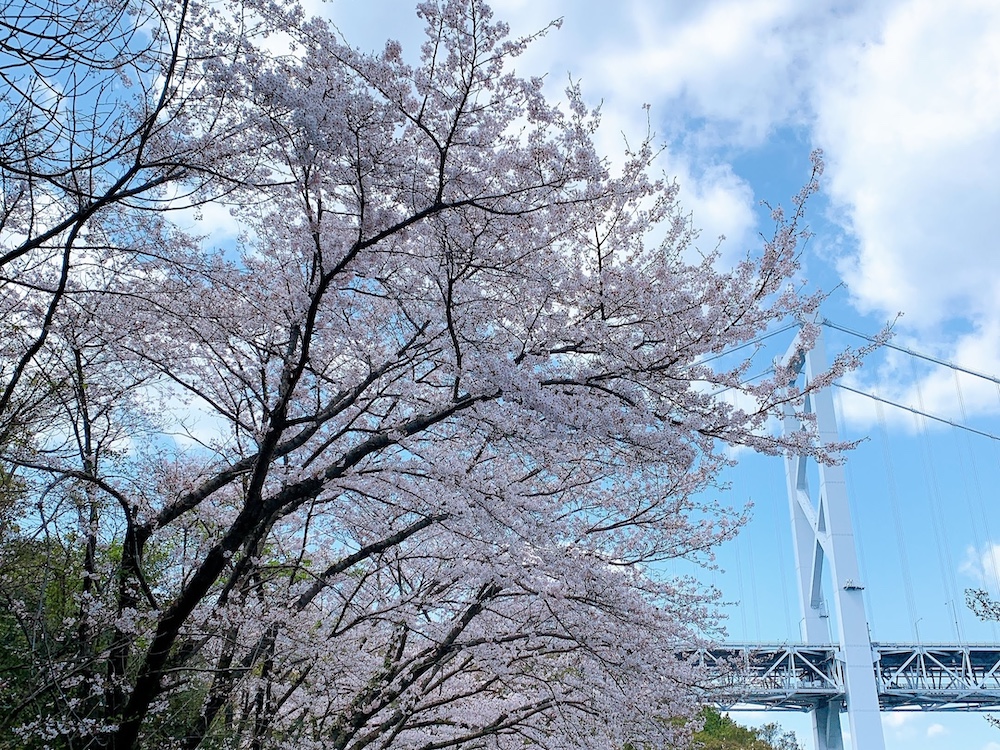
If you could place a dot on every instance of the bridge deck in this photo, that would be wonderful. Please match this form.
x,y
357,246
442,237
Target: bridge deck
x,y
800,677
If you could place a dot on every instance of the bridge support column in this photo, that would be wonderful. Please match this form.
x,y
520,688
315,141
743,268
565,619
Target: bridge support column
x,y
824,543
826,727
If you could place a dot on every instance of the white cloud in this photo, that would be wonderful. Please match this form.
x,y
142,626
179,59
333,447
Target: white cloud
x,y
983,566
658,53
719,202
897,719
700,53
904,95
214,221
936,390
911,124
902,727
935,730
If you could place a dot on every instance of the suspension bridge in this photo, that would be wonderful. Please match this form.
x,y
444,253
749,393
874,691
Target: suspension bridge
x,y
836,667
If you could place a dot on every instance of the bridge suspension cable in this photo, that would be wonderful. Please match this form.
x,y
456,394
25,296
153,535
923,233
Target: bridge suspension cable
x,y
978,517
929,358
897,520
912,353
918,412
938,524
753,342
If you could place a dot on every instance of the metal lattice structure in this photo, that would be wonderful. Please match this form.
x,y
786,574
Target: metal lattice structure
x,y
804,678
765,676
939,677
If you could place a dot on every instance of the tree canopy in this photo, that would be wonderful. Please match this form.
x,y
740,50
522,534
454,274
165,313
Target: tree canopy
x,y
720,732
396,466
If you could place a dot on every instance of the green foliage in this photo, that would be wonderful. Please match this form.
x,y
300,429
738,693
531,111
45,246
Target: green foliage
x,y
37,604
722,733
11,491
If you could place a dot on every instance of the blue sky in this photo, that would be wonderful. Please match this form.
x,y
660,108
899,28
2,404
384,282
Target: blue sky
x,y
904,98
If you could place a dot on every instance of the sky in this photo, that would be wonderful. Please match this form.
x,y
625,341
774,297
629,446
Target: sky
x,y
903,96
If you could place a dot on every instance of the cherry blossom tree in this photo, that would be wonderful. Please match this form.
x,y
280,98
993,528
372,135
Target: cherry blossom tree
x,y
459,396
103,122
985,607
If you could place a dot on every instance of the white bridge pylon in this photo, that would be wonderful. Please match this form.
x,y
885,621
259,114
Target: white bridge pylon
x,y
823,536
837,667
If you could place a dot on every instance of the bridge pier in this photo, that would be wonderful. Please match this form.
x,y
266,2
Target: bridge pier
x,y
826,726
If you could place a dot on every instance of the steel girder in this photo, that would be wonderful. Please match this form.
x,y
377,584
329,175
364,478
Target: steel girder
x,y
801,677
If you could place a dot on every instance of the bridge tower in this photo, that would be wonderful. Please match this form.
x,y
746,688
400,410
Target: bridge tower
x,y
824,543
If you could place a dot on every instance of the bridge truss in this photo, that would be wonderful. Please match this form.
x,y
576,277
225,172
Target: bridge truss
x,y
810,677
